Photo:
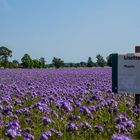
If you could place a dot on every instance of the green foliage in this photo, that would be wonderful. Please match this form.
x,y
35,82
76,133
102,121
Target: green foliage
x,y
15,63
42,60
100,61
90,62
57,62
109,60
4,54
101,116
37,63
27,61
83,64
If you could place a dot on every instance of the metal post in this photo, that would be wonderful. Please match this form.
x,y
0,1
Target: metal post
x,y
137,96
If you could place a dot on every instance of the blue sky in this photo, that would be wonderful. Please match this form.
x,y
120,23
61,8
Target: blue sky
x,y
70,29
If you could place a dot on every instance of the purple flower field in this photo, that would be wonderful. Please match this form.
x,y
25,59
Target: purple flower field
x,y
65,104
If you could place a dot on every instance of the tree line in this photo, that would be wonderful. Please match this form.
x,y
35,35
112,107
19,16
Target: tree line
x,y
28,62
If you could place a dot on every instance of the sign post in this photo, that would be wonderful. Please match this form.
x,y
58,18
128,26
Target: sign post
x,y
137,96
126,73
115,73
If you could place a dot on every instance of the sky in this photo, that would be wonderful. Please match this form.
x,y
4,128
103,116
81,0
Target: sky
x,y
72,30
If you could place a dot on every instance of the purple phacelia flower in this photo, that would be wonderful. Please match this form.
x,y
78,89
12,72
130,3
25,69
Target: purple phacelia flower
x,y
121,118
85,125
47,120
58,133
74,117
55,114
72,126
120,137
29,120
92,108
12,133
78,103
98,128
13,129
46,135
43,137
13,125
129,124
84,110
121,128
28,136
65,106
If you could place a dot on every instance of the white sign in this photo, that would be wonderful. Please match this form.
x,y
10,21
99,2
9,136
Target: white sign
x,y
129,73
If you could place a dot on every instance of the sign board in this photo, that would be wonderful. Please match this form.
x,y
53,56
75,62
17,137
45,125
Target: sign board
x,y
126,73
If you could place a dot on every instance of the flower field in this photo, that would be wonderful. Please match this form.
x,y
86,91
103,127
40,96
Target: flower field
x,y
65,104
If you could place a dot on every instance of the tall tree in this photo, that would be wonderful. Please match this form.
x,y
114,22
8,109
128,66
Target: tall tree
x,y
27,61
15,63
83,64
4,54
90,62
57,62
100,61
37,63
42,60
109,60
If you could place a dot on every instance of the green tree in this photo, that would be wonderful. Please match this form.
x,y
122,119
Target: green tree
x,y
4,54
42,60
100,61
37,63
90,62
15,63
109,60
57,62
83,64
27,61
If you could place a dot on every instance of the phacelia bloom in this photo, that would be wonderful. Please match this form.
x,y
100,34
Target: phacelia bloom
x,y
58,133
26,111
112,103
55,114
120,137
43,107
13,129
84,110
65,106
28,136
47,120
90,116
43,137
46,135
78,103
74,117
115,111
29,120
121,118
93,98
121,128
92,108
1,122
72,126
103,103
12,133
129,124
85,125
98,128
14,125
17,101
135,109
